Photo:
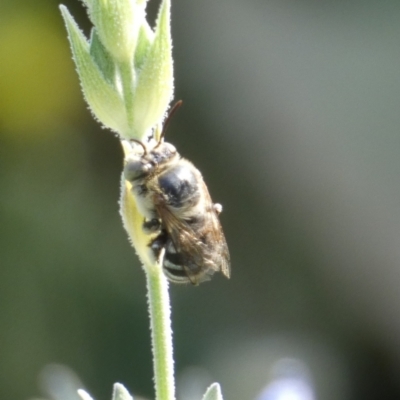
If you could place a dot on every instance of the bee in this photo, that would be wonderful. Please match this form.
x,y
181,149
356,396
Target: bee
x,y
185,233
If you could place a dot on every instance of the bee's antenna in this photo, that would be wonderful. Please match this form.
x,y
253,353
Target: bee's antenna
x,y
141,144
170,114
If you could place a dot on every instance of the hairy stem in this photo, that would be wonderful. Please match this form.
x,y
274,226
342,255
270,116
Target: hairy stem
x,y
161,333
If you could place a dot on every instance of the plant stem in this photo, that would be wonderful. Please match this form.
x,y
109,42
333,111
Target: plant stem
x,y
161,333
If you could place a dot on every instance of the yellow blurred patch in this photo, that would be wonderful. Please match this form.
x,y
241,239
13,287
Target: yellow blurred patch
x,y
39,89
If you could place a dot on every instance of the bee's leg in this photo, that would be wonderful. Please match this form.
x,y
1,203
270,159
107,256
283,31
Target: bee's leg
x,y
217,208
151,225
158,246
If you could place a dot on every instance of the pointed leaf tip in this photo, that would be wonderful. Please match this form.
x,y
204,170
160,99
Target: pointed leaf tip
x,y
84,395
213,392
120,393
102,97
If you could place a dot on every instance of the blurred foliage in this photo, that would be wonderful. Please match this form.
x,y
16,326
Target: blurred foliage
x,y
37,83
291,113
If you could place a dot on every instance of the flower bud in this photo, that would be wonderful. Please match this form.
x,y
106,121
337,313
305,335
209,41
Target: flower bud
x,y
126,70
155,81
117,23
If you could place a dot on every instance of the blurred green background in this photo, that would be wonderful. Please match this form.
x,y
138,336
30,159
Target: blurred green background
x,y
291,111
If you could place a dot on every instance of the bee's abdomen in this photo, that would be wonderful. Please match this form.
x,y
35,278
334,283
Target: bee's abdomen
x,y
176,267
173,264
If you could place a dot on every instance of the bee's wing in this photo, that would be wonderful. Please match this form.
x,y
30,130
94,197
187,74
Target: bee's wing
x,y
185,242
218,237
191,244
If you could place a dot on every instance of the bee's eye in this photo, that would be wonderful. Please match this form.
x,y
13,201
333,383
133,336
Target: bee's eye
x,y
171,148
162,153
136,169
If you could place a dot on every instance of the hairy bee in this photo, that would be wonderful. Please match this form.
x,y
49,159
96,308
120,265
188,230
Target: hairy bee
x,y
179,216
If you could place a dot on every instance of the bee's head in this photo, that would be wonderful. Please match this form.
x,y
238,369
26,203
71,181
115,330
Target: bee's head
x,y
162,153
141,163
134,167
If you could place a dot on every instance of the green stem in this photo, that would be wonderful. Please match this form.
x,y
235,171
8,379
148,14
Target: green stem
x,y
128,78
161,333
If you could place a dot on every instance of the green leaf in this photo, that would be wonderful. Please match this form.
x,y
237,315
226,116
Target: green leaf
x,y
103,99
141,2
155,82
87,3
102,58
213,392
84,395
145,40
120,393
